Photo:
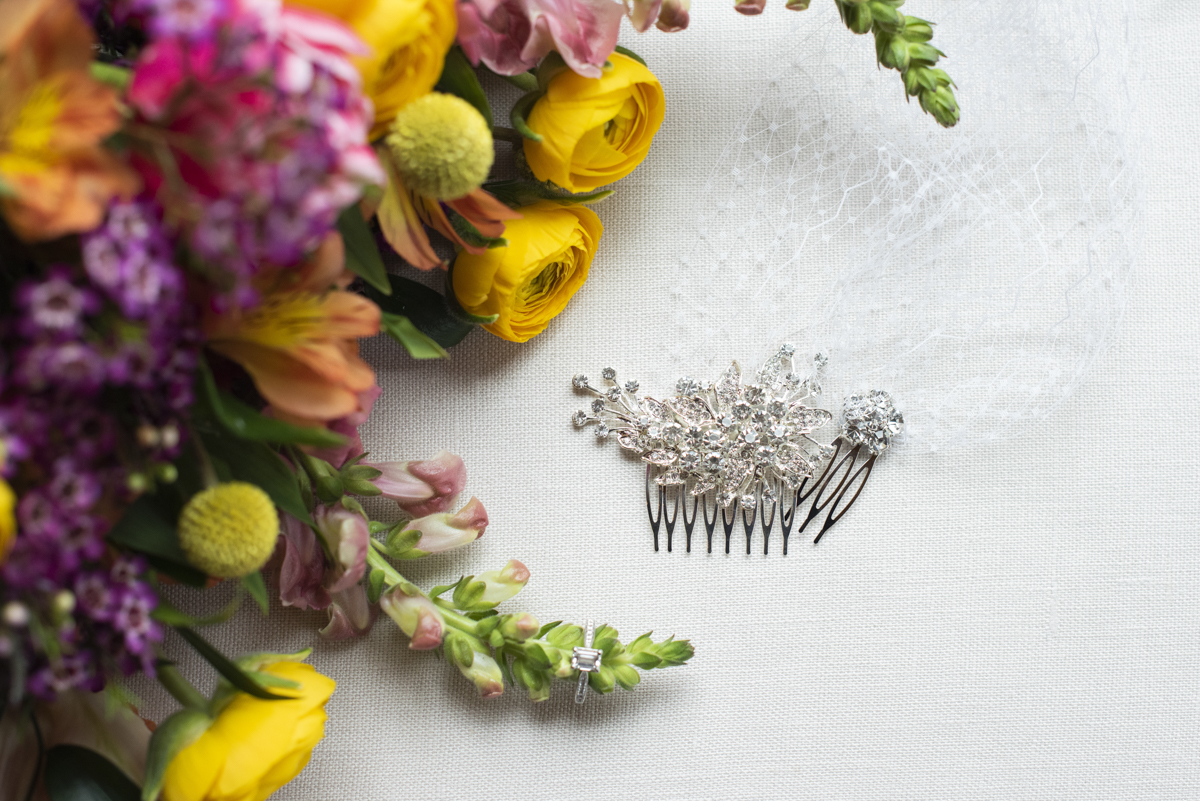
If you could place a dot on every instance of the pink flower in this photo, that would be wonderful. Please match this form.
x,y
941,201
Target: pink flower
x,y
512,36
444,531
348,427
422,487
350,614
347,538
301,566
416,615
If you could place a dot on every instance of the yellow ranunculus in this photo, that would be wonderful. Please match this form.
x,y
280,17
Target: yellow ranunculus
x,y
530,281
8,518
255,746
595,130
408,40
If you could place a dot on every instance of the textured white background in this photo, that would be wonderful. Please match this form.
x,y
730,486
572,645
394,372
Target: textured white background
x,y
1017,622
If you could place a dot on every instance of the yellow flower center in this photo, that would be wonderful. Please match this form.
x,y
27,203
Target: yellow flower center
x,y
284,321
27,147
618,129
229,530
442,146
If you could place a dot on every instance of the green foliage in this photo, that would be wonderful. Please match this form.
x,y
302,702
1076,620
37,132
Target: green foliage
x,y
362,253
75,773
426,309
458,78
228,669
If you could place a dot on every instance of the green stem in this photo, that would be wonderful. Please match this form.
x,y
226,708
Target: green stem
x,y
507,134
525,81
181,688
375,559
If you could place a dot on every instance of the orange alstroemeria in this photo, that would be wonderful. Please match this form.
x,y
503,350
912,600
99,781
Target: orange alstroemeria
x,y
300,344
403,215
56,176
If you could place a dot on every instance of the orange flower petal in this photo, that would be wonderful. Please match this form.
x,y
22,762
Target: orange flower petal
x,y
288,384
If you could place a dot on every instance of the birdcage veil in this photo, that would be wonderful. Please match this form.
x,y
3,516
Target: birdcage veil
x,y
975,273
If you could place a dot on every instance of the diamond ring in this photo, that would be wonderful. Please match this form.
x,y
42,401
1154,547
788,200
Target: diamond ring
x,y
585,659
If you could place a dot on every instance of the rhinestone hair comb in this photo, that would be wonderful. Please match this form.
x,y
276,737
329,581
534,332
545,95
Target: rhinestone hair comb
x,y
733,446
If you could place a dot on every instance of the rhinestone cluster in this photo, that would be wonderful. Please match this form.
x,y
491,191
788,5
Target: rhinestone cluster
x,y
744,441
871,420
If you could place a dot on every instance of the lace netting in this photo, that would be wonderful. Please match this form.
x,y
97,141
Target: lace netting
x,y
975,273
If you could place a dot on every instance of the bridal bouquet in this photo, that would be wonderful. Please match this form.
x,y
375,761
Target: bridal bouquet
x,y
196,201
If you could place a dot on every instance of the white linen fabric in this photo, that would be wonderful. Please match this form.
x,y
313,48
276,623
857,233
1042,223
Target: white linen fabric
x,y
1015,621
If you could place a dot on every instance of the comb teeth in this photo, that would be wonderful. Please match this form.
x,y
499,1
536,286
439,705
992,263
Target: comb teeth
x,y
831,494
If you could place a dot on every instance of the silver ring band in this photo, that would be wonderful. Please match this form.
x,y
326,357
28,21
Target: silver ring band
x,y
585,659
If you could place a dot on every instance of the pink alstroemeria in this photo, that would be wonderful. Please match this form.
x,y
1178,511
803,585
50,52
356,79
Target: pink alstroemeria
x,y
444,531
422,487
350,614
302,566
416,615
347,538
348,427
512,36
674,16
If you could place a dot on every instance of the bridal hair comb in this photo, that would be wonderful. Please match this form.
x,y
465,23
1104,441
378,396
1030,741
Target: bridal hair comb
x,y
733,446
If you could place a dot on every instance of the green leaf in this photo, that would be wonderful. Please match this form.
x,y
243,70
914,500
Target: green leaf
x,y
226,667
75,773
242,420
520,111
425,308
459,78
536,655
626,676
516,193
418,344
148,528
172,736
375,581
362,254
472,235
625,51
254,584
546,629
256,463
167,614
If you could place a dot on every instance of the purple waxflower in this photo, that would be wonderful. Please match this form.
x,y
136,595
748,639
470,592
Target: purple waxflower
x,y
55,306
38,516
94,596
133,619
74,487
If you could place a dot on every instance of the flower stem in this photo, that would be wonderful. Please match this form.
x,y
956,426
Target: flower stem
x,y
180,688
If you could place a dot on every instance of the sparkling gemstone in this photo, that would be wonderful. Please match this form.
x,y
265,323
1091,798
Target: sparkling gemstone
x,y
601,431
777,408
820,361
671,478
792,380
764,454
729,385
748,500
644,420
661,457
597,405
689,460
586,659
703,484
750,434
768,495
712,438
580,418
672,433
694,435
608,373
631,387
755,394
580,381
712,461
811,386
726,420
614,394
687,386
787,349
629,441
726,498
742,410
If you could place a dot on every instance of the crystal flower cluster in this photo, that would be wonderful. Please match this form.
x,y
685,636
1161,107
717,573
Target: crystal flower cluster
x,y
744,441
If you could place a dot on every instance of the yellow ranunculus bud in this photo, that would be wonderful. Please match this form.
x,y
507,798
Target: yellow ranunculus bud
x,y
595,130
255,746
530,281
442,146
408,40
8,519
229,530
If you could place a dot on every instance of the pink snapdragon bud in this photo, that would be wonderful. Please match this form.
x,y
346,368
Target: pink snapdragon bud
x,y
350,614
674,15
485,674
422,487
347,538
519,627
504,583
445,531
416,615
749,7
301,566
642,13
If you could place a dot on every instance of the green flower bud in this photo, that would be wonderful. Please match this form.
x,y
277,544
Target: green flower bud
x,y
603,680
485,674
519,627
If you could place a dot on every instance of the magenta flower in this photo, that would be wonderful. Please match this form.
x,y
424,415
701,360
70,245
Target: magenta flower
x,y
512,36
422,487
444,531
416,615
